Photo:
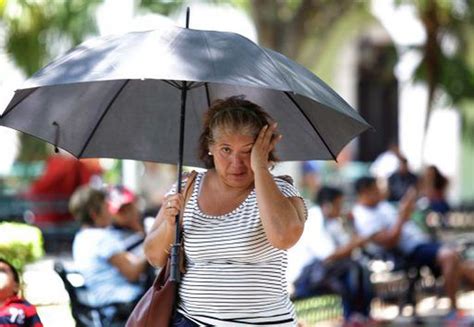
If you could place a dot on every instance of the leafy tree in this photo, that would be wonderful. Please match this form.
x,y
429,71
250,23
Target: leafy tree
x,y
36,32
447,64
295,28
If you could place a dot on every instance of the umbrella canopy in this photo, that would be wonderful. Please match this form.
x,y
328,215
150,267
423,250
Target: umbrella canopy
x,y
120,97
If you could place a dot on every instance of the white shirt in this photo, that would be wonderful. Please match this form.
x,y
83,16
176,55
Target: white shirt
x,y
234,276
320,239
384,165
371,220
92,249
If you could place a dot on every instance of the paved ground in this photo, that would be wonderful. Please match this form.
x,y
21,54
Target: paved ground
x,y
45,289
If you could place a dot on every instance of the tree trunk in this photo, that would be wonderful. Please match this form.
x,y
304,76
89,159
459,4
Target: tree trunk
x,y
430,20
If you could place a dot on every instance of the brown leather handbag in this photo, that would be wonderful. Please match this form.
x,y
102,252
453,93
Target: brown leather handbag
x,y
156,307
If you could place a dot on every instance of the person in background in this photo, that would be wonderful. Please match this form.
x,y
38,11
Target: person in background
x,y
386,163
400,181
310,180
394,230
237,225
322,261
111,272
50,193
123,205
14,311
434,188
127,226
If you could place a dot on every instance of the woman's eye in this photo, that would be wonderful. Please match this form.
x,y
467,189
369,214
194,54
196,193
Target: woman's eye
x,y
225,150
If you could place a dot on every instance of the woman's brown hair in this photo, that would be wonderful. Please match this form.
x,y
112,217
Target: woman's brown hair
x,y
85,200
231,115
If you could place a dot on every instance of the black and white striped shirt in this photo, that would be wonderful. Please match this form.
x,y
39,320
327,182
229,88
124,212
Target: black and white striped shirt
x,y
234,276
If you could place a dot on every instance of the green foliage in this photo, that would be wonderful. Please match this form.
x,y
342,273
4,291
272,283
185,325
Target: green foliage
x,y
36,32
318,308
20,244
165,7
467,113
455,77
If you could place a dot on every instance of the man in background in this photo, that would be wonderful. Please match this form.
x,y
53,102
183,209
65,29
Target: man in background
x,y
400,181
393,230
321,261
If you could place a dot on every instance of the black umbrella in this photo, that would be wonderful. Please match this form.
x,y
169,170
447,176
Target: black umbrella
x,y
119,97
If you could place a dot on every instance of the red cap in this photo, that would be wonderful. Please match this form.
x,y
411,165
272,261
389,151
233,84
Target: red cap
x,y
119,196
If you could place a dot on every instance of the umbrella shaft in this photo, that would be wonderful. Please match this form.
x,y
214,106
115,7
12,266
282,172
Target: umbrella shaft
x,y
174,273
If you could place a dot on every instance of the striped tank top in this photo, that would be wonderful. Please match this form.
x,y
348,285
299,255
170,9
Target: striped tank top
x,y
234,276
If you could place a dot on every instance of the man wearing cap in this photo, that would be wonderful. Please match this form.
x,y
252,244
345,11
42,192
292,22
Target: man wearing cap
x,y
127,227
123,205
110,269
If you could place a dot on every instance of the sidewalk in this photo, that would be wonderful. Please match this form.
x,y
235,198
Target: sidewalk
x,y
45,289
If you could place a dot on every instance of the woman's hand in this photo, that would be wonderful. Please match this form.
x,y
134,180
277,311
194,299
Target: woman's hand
x,y
264,144
172,206
160,237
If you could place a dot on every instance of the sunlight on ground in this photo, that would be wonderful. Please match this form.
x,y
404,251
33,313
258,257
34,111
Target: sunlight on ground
x,y
44,289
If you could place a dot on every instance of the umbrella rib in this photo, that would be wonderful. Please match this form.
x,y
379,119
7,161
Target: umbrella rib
x,y
102,117
208,97
173,84
204,37
16,104
194,85
274,64
311,123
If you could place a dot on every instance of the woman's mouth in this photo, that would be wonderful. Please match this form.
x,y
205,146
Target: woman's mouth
x,y
238,175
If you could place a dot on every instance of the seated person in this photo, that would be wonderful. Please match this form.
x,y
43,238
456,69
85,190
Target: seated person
x,y
111,272
434,187
127,226
126,216
400,181
14,311
394,230
321,260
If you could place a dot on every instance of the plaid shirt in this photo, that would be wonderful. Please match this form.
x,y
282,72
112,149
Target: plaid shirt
x,y
16,312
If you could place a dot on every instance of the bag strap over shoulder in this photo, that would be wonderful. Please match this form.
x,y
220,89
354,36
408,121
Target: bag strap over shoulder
x,y
188,187
187,191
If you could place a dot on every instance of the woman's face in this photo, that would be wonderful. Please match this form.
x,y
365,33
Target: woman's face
x,y
8,286
231,154
103,218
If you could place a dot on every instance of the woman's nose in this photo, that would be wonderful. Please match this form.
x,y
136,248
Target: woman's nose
x,y
236,160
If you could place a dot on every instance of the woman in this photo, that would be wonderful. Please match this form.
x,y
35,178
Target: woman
x,y
237,224
435,186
